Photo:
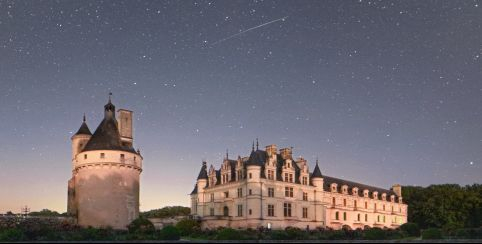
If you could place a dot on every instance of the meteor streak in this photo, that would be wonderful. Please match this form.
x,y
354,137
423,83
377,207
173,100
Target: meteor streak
x,y
250,29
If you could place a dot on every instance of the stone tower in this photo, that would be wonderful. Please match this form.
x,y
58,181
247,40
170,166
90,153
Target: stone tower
x,y
104,188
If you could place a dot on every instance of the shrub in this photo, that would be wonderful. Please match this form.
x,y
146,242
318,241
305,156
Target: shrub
x,y
169,233
141,226
228,234
411,229
278,235
187,227
375,234
293,233
431,234
12,235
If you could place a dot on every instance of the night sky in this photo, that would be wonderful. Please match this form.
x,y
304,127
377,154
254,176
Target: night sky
x,y
382,92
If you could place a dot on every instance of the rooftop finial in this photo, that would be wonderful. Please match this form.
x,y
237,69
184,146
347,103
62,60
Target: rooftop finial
x,y
110,94
257,144
84,118
253,147
227,155
316,160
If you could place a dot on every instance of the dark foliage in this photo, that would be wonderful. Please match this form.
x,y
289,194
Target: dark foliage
x,y
167,212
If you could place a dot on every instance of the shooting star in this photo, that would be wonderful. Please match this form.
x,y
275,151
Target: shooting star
x,y
250,29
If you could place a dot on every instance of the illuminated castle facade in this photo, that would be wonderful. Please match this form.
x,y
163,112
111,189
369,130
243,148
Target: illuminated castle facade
x,y
270,189
104,188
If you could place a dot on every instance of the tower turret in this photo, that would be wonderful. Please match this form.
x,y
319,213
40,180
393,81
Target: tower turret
x,y
317,177
80,139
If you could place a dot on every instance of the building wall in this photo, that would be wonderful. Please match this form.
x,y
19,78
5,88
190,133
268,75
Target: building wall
x,y
106,189
321,211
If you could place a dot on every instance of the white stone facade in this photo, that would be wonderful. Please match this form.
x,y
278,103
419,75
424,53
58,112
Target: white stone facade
x,y
272,190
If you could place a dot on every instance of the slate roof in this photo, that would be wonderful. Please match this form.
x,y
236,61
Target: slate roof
x,y
107,136
84,130
328,180
316,172
257,158
203,174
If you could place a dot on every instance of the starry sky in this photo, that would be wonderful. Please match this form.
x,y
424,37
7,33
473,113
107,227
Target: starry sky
x,y
382,92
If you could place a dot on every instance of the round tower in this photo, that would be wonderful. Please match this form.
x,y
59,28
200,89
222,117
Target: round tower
x,y
106,176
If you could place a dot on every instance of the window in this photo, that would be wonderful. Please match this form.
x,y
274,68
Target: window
x,y
305,213
305,196
358,217
366,205
212,197
375,207
270,175
334,202
337,216
250,175
383,207
102,155
270,210
383,218
211,211
344,215
240,210
85,156
250,212
305,180
344,202
122,157
366,217
354,203
287,209
288,191
270,192
250,192
226,194
392,209
378,218
240,192
226,211
291,178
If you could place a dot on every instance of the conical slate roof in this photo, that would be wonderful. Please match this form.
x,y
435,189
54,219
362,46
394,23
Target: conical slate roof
x,y
84,129
203,174
107,136
316,172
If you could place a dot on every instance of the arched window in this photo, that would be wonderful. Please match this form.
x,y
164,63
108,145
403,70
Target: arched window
x,y
226,211
337,217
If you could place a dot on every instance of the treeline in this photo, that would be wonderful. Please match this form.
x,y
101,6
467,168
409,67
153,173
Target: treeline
x,y
167,212
448,207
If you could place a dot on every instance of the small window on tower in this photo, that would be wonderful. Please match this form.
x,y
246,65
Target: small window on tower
x,y
85,156
102,155
122,157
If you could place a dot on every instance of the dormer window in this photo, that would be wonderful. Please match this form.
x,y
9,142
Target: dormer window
x,y
384,196
333,187
392,198
365,193
345,189
355,191
375,195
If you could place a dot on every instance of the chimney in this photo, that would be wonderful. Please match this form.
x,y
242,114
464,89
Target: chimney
x,y
125,126
271,150
286,153
397,189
